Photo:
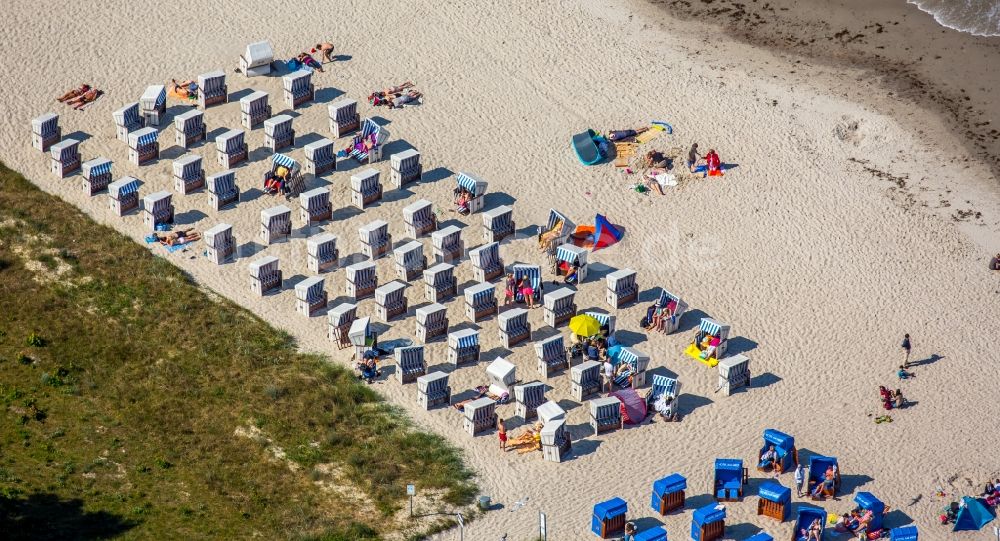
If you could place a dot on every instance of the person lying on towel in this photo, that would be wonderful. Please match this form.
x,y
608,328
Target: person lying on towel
x,y
175,238
528,440
622,135
82,89
185,89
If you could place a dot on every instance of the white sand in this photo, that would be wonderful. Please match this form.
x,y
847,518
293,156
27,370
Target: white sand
x,y
817,266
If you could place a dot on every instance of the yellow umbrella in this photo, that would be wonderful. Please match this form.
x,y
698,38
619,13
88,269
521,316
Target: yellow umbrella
x,y
584,325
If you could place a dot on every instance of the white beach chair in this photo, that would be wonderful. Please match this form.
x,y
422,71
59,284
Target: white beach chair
x,y
559,307
432,321
532,273
433,389
361,337
127,119
275,224
153,104
157,208
189,128
123,195
637,361
405,167
486,262
257,58
571,258
498,224
710,342
409,260
463,347
409,363
96,175
480,415
375,239
321,253
222,189
606,414
556,444
361,280
212,89
295,184
374,134
476,187
390,300
339,320
480,301
550,411
527,398
344,117
734,373
143,146
65,157
365,188
622,289
310,297
278,132
514,327
604,319
220,244
314,206
231,148
440,284
676,306
585,379
254,109
298,88
446,244
419,218
265,275
189,175
45,131
320,158
552,356
501,377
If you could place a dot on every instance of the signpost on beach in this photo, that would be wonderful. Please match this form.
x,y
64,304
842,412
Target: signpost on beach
x,y
461,527
542,529
411,491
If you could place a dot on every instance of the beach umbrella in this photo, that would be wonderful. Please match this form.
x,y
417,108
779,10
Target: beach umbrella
x,y
584,325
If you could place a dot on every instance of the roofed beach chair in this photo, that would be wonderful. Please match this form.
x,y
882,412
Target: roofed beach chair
x,y
222,189
663,397
410,261
675,306
635,375
362,337
463,347
339,320
710,342
730,478
409,363
760,536
314,206
606,414
375,136
298,88
295,184
784,447
361,280
344,117
818,466
404,167
585,379
433,389
480,301
96,175
127,120
321,253
734,373
365,188
480,415
153,104
527,398
533,273
390,300
557,231
775,501
310,297
446,244
868,502
514,327
256,59
476,188
552,356
571,258
65,157
556,443
189,175
486,262
501,375
550,411
231,148
432,321
606,320
668,493
498,223
440,284
320,158
45,131
375,238
275,224
805,517
157,208
123,195
419,218
212,89
220,244
189,128
903,533
622,288
608,519
278,132
559,306
708,523
254,109
143,146
265,275
656,533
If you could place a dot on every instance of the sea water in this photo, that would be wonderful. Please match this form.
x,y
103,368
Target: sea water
x,y
977,17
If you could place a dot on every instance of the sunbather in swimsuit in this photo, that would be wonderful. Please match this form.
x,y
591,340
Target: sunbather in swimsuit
x,y
184,89
74,93
308,60
181,236
620,135
82,100
403,99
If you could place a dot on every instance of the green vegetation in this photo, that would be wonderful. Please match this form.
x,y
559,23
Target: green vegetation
x,y
136,405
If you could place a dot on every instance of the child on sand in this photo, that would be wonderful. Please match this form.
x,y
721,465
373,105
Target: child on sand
x,y
502,434
327,49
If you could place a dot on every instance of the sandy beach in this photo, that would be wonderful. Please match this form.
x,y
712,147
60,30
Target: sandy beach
x,y
825,243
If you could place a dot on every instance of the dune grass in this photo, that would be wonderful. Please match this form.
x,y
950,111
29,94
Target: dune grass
x,y
136,404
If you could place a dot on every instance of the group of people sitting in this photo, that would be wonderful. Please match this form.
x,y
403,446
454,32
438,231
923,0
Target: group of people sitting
x,y
891,399
396,96
992,493
657,316
276,181
855,523
463,198
518,291
368,366
79,97
185,90
176,238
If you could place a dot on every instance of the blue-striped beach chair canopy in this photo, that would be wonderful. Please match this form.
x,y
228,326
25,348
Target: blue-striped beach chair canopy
x,y
212,81
486,256
188,166
96,167
475,185
409,255
666,298
279,160
254,103
374,232
571,253
278,126
499,218
480,294
531,272
553,347
64,150
189,121
463,338
128,115
310,289
263,266
122,187
342,313
714,328
231,141
566,226
142,137
440,275
297,81
221,183
361,272
319,151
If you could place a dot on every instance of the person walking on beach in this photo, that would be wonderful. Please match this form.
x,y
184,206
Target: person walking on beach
x,y
800,477
327,49
693,157
502,434
609,375
906,350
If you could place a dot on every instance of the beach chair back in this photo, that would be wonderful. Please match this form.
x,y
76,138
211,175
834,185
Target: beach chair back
x,y
622,288
606,413
222,183
343,314
188,167
433,383
315,205
344,111
530,394
447,244
406,160
431,315
361,273
219,237
276,219
212,83
157,202
440,276
265,274
498,223
668,493
278,126
255,104
190,122
486,256
310,290
532,273
230,142
153,104
45,125
322,249
609,518
365,182
463,347
501,373
418,218
550,411
559,306
513,321
360,331
123,188
586,372
480,300
320,151
734,373
257,58
96,169
409,363
297,82
709,522
390,294
374,233
904,533
552,348
65,157
127,117
409,255
480,415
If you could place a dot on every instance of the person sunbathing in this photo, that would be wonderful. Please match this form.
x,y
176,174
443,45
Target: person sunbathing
x,y
398,89
176,238
621,135
530,439
307,60
81,101
185,89
815,531
401,100
769,459
276,181
897,399
82,89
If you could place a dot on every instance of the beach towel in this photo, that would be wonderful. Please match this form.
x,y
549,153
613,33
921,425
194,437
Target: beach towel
x,y
649,135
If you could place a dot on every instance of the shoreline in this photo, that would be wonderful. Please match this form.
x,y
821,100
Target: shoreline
x,y
877,44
